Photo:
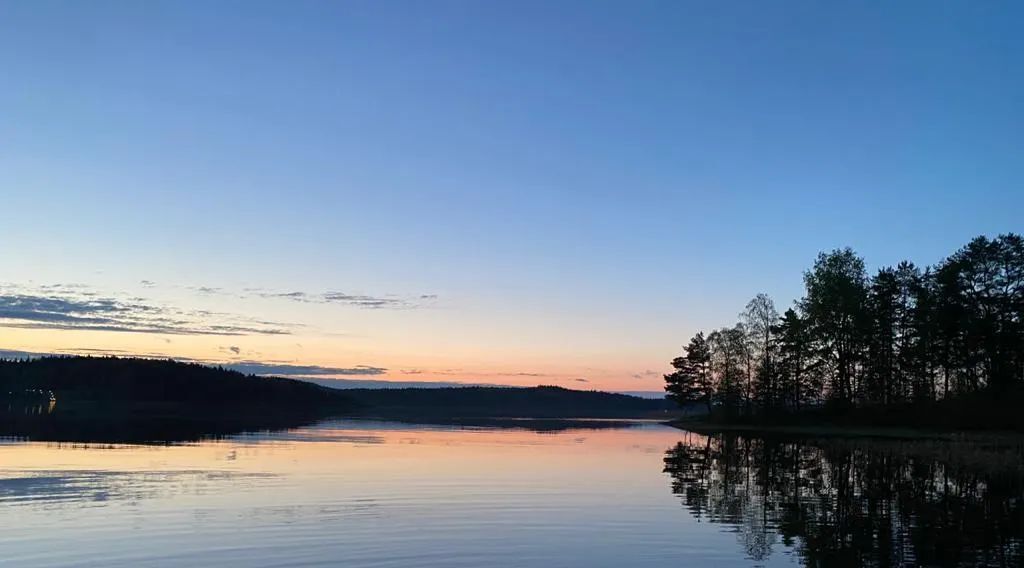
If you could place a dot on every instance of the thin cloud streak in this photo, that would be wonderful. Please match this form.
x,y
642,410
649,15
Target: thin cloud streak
x,y
290,370
356,300
463,372
646,374
365,301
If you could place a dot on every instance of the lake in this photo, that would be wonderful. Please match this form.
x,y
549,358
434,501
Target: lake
x,y
379,494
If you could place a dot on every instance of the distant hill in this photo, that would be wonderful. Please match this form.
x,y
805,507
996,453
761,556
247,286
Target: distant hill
x,y
349,384
509,402
131,400
135,380
645,394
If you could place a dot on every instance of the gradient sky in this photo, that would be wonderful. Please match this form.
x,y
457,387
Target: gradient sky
x,y
514,193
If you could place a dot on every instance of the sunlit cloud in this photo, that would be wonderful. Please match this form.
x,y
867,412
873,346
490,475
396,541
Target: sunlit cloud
x,y
646,374
431,372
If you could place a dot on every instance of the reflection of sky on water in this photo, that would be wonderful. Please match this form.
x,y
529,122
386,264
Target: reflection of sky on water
x,y
98,487
385,494
357,494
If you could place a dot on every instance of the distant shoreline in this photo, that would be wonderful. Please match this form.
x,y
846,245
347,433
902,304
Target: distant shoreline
x,y
845,431
147,400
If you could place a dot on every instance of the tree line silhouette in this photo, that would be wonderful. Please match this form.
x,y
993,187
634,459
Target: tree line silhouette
x,y
907,337
129,379
476,402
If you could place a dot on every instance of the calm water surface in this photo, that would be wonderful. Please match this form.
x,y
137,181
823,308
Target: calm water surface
x,y
348,493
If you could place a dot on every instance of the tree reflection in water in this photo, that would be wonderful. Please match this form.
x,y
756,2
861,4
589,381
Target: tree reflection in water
x,y
857,502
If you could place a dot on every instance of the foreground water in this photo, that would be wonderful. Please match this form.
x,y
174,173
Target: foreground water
x,y
347,493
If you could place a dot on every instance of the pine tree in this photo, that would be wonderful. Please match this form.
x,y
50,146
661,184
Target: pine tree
x,y
794,359
691,381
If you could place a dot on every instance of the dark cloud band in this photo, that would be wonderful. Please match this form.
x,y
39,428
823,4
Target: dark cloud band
x,y
86,311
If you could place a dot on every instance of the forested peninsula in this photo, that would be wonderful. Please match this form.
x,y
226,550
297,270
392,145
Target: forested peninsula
x,y
937,347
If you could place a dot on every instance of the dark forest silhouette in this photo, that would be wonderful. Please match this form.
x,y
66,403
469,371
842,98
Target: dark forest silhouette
x,y
942,345
113,399
857,503
508,402
125,379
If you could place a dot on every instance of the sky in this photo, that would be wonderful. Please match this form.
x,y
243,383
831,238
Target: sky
x,y
494,193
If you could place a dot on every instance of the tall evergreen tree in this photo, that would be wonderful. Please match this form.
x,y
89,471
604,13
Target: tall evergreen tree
x,y
681,384
794,360
883,385
691,382
835,308
699,354
990,276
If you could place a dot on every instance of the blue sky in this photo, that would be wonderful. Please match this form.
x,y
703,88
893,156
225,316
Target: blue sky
x,y
580,184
